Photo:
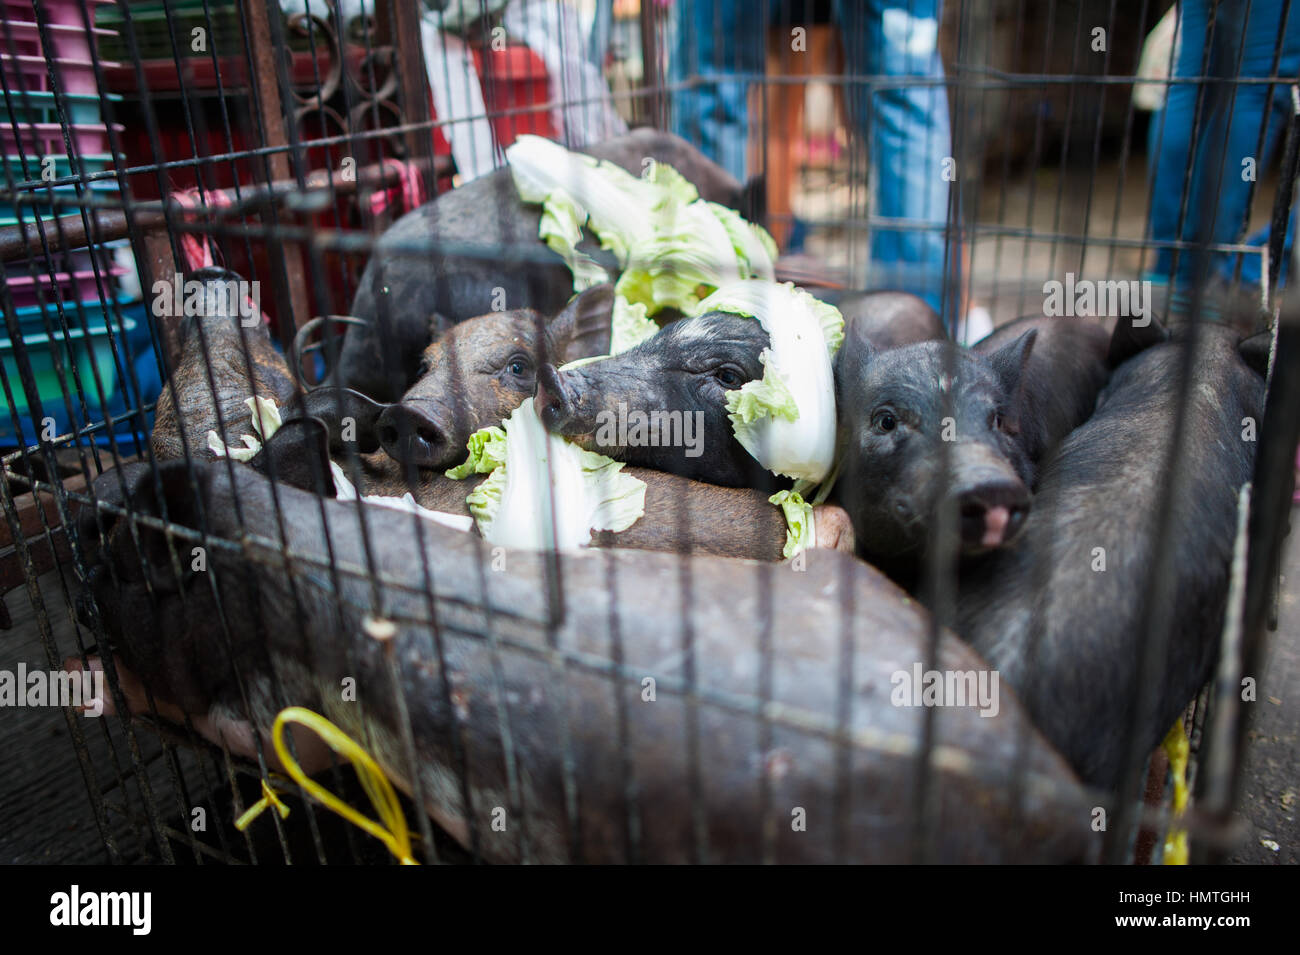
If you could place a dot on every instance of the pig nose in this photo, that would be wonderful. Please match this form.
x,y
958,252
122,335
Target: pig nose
x,y
553,401
411,436
992,513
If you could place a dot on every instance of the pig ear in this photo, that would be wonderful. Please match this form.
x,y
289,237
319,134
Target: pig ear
x,y
1255,350
298,454
850,364
1009,362
1128,340
349,416
857,352
439,325
164,492
582,329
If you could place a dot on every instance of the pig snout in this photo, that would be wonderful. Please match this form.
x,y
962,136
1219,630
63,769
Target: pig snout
x,y
991,508
411,434
554,401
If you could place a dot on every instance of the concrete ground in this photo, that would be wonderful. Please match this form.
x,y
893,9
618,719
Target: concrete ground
x,y
1272,765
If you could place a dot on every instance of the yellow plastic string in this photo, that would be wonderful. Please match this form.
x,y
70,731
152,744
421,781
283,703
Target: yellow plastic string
x,y
392,830
1177,748
269,798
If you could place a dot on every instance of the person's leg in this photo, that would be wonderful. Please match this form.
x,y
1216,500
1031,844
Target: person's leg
x,y
1252,265
907,128
602,25
1233,119
1253,106
1172,130
715,40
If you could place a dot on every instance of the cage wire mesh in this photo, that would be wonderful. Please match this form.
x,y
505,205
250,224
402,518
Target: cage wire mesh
x,y
148,141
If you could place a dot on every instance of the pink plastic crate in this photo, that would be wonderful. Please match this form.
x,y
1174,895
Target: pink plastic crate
x,y
68,11
24,71
44,139
76,76
70,42
63,286
19,11
82,260
27,41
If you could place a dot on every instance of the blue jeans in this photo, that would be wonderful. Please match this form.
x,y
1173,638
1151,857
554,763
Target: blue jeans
x,y
1208,162
722,44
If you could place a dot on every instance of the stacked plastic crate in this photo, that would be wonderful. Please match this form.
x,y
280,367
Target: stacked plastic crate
x,y
73,320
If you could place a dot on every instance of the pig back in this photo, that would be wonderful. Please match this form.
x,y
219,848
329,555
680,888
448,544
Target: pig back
x,y
1060,612
734,711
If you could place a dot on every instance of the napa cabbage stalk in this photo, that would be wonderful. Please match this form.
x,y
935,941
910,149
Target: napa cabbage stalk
x,y
575,189
543,491
672,247
266,421
786,420
629,325
800,528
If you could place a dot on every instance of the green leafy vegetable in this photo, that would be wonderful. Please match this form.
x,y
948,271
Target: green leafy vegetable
x,y
265,421
629,325
487,451
549,492
672,246
787,419
801,532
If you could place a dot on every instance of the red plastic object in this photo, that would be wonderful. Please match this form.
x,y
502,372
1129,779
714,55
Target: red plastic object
x,y
515,84
515,87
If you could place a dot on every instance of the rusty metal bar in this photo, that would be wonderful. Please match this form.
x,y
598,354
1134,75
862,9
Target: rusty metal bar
x,y
267,97
412,84
651,82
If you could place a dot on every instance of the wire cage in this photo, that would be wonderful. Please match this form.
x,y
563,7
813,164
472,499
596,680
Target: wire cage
x,y
151,144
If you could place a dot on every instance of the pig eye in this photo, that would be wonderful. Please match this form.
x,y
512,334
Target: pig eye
x,y
518,365
884,421
728,377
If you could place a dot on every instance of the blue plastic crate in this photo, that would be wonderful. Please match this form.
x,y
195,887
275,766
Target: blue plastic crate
x,y
86,353
42,203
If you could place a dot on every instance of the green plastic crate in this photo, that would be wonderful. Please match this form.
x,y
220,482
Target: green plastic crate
x,y
76,350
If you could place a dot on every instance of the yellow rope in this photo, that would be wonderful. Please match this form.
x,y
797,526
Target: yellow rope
x,y
391,830
1178,748
269,798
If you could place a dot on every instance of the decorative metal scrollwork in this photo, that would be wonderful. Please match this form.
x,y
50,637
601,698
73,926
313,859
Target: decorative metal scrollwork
x,y
358,91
